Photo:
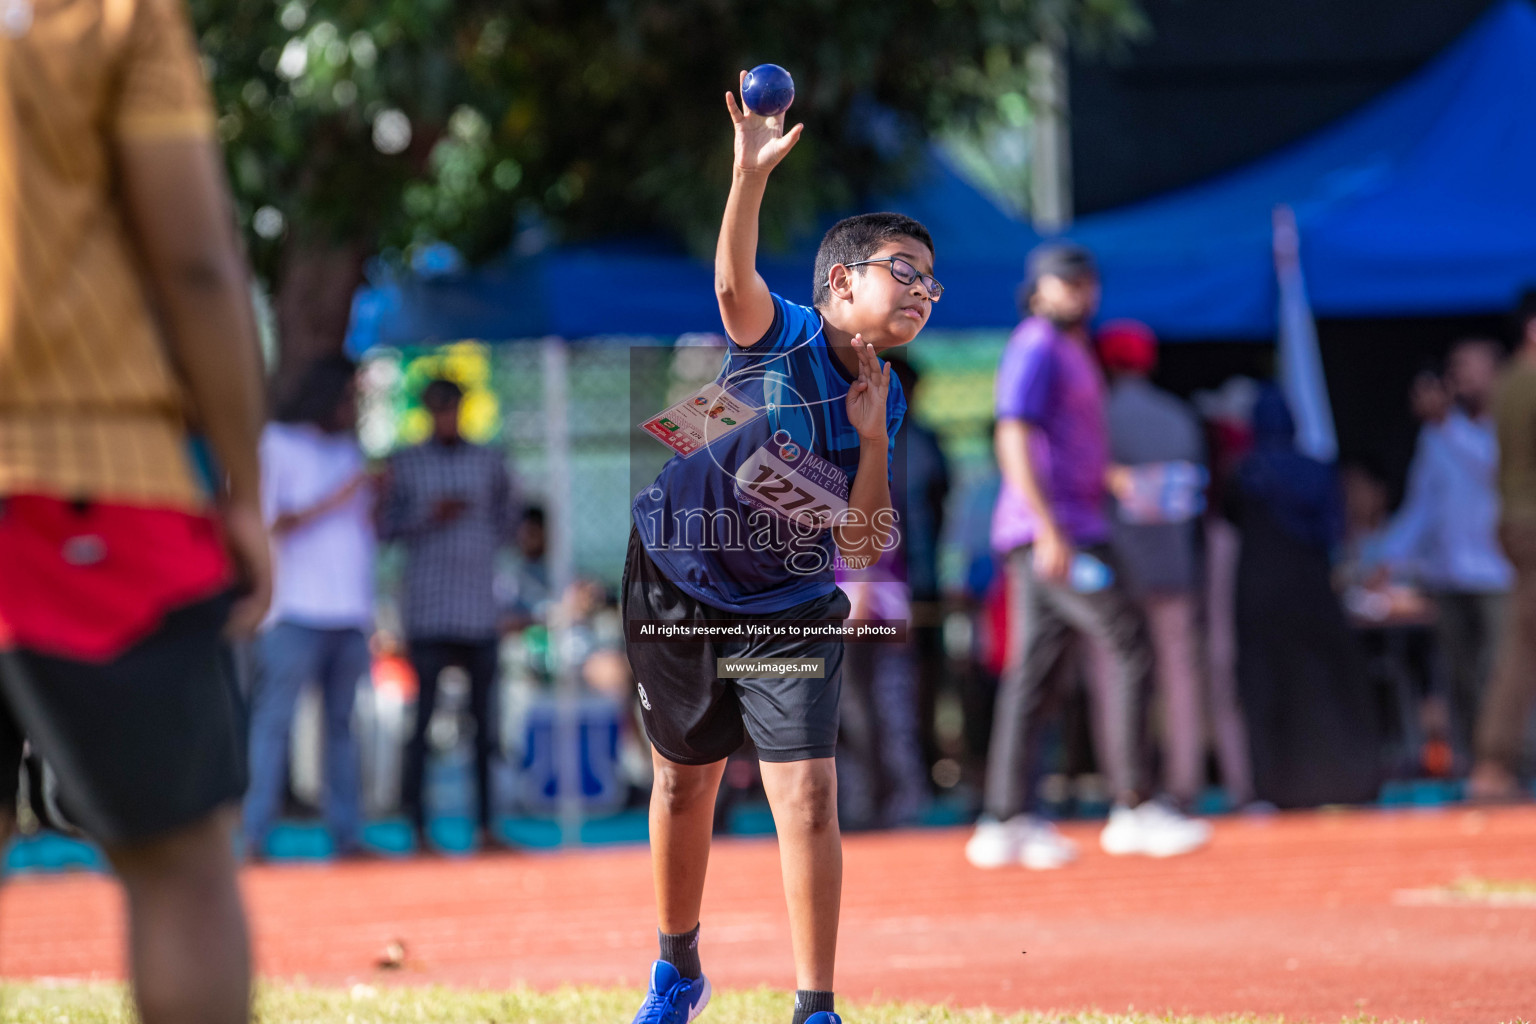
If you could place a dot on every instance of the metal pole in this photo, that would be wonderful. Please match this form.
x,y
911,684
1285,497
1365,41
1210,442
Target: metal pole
x,y
1050,190
562,573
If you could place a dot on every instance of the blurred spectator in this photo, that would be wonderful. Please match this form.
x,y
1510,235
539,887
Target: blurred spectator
x,y
1158,438
1311,725
1366,507
1444,536
880,756
523,596
450,503
594,649
921,487
1228,416
1392,621
984,617
127,314
1429,398
1360,570
1506,713
319,506
593,630
1052,448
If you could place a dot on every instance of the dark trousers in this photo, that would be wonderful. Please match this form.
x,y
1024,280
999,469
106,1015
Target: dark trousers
x,y
1468,626
1048,622
883,779
932,674
429,658
1504,721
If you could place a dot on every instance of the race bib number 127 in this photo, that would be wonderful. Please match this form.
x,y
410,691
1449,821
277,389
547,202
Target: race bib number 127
x,y
793,483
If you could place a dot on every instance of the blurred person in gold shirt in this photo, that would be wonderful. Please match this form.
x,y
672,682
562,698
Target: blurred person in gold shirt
x,y
125,315
1505,717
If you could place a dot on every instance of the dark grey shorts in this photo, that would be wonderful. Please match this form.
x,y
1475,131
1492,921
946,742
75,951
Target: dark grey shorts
x,y
693,716
142,745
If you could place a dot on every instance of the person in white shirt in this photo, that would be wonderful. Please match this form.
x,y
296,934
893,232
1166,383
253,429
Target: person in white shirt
x,y
1445,535
318,500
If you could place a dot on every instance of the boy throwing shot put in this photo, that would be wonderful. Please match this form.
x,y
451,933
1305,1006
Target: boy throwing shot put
x,y
745,530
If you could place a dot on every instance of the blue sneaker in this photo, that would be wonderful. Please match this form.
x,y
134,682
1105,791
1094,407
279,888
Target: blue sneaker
x,y
674,999
824,1017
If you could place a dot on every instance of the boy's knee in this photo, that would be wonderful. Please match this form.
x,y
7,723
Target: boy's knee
x,y
682,788
811,799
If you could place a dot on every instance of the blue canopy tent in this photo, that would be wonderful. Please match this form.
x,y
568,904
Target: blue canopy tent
x,y
1423,202
648,288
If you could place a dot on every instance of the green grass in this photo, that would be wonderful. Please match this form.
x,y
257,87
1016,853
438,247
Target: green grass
x,y
1470,891
98,1003
1475,888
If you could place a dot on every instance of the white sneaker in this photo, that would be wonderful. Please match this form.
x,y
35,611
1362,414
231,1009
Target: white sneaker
x,y
1152,828
1021,839
1045,848
1122,833
994,843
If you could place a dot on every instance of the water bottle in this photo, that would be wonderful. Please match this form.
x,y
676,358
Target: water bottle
x,y
1164,492
1089,575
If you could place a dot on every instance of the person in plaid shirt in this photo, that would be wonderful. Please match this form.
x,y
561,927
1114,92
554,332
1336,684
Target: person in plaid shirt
x,y
450,504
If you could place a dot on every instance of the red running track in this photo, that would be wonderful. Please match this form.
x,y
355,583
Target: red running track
x,y
1313,916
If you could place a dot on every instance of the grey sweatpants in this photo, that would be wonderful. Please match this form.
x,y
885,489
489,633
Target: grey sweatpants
x,y
1048,623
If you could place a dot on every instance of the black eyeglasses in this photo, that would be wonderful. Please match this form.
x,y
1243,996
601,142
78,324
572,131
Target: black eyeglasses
x,y
906,273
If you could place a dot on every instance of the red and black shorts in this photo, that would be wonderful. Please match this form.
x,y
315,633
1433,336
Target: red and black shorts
x,y
112,664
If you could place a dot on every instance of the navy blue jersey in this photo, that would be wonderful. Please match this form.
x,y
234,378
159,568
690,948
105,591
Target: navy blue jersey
x,y
729,554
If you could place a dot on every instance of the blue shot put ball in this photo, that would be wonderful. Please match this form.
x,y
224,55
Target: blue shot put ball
x,y
768,90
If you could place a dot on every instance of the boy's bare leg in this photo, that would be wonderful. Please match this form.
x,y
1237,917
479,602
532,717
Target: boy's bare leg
x,y
682,818
189,952
803,795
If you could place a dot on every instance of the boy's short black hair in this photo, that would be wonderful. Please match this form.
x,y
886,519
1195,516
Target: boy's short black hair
x,y
858,238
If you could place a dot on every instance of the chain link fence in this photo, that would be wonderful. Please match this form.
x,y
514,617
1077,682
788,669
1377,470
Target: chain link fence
x,y
613,384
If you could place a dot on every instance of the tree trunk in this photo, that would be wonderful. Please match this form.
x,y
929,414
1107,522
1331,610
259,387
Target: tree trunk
x,y
313,305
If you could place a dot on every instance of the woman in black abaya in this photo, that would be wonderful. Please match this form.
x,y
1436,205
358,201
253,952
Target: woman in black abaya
x,y
1301,678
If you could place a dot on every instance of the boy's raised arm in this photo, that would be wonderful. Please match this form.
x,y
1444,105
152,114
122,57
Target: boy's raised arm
x,y
746,308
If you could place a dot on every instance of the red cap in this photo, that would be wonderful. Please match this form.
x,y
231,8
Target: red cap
x,y
1127,346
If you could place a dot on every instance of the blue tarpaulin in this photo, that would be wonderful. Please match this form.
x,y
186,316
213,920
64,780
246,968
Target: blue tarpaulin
x,y
1423,202
648,288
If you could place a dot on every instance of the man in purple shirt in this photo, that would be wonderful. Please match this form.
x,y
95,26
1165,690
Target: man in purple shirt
x,y
1052,447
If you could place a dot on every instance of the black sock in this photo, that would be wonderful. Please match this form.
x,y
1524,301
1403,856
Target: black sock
x,y
807,1003
682,952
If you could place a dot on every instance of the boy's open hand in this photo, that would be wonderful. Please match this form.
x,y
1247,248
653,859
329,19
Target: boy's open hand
x,y
760,141
867,396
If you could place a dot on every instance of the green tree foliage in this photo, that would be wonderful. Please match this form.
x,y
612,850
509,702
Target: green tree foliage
x,y
359,126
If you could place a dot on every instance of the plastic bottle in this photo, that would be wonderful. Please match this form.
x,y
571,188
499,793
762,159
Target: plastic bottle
x,y
1089,575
